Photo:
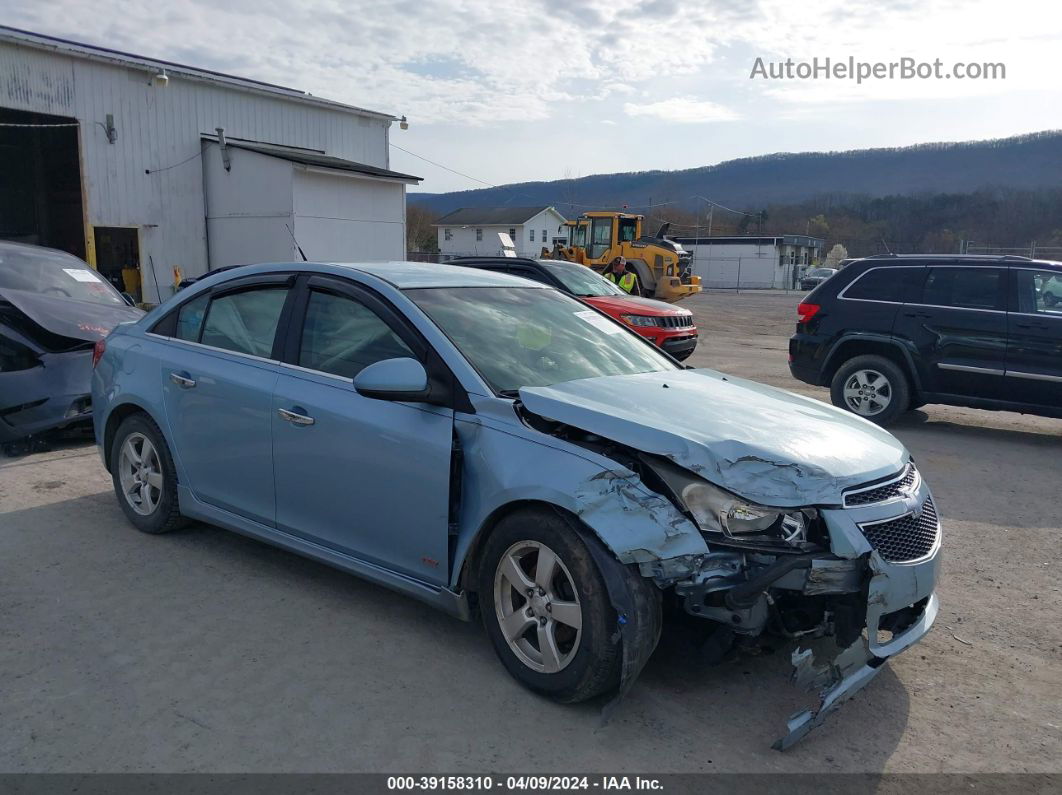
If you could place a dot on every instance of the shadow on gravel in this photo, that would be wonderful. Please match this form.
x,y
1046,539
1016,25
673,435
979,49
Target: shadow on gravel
x,y
206,623
920,420
974,470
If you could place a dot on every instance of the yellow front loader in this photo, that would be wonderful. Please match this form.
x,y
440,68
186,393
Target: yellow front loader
x,y
662,265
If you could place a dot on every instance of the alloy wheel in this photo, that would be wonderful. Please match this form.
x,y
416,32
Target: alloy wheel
x,y
537,607
867,392
140,474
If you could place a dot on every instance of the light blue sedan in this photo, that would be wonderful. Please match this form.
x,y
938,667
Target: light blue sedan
x,y
491,445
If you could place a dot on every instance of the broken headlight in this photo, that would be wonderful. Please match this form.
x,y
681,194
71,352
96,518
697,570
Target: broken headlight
x,y
720,511
717,510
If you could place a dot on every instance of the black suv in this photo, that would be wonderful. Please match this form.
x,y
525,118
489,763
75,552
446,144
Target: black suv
x,y
893,332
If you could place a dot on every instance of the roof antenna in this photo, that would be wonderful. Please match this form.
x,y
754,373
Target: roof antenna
x,y
886,245
296,242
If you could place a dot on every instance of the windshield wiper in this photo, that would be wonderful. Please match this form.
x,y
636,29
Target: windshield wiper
x,y
509,393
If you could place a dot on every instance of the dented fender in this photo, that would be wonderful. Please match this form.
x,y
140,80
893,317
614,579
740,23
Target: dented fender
x,y
505,464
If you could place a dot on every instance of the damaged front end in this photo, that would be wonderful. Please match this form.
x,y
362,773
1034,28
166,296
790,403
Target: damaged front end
x,y
857,573
44,378
862,573
53,309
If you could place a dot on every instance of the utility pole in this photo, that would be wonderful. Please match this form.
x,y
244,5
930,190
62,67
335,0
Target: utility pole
x,y
711,212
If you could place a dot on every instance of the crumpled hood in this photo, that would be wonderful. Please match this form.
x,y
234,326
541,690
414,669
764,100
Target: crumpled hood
x,y
764,444
67,317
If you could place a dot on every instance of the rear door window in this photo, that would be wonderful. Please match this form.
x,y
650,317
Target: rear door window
x,y
245,322
885,284
190,318
1039,292
965,288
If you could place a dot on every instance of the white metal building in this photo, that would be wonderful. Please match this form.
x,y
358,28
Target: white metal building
x,y
125,167
474,230
752,262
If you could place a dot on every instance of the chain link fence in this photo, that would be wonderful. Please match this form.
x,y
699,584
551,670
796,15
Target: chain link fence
x,y
1032,251
717,273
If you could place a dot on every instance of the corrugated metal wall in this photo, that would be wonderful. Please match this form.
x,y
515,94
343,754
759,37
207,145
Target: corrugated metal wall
x,y
343,217
158,127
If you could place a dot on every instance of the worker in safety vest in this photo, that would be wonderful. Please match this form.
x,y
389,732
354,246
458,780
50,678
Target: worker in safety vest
x,y
627,280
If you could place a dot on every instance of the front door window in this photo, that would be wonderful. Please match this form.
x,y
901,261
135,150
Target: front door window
x,y
342,336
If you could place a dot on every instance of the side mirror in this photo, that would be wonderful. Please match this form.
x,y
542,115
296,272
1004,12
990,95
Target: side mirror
x,y
129,299
393,379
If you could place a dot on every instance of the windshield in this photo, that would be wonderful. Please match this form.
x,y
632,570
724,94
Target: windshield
x,y
526,336
54,273
581,280
820,272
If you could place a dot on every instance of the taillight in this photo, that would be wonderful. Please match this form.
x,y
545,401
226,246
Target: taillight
x,y
97,352
807,311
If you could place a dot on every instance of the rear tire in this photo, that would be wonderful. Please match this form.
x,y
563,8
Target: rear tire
x,y
144,477
534,634
871,387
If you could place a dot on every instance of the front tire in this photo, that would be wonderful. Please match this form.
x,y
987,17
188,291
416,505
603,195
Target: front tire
x,y
872,387
546,608
144,477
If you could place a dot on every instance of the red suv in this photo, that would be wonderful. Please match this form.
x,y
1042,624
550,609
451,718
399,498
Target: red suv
x,y
668,326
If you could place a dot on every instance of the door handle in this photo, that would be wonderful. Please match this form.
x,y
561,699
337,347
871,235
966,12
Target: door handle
x,y
917,314
294,417
182,380
1031,325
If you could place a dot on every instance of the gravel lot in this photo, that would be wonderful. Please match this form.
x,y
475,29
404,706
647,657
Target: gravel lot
x,y
204,651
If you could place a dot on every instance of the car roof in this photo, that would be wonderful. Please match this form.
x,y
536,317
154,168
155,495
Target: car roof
x,y
15,246
488,262
407,275
401,275
966,259
492,261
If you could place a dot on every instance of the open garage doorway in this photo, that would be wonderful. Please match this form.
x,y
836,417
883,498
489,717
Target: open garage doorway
x,y
118,258
40,191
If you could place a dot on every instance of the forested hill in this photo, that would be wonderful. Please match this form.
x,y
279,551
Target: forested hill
x,y
1024,162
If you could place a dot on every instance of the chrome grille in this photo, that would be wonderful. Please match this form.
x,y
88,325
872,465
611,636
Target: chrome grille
x,y
905,484
907,538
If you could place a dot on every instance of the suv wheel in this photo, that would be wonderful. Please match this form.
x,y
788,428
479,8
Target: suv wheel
x,y
872,387
144,477
546,608
1050,299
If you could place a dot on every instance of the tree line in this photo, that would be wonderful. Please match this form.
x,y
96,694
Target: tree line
x,y
926,224
935,223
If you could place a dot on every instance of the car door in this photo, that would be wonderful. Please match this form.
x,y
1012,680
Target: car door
x,y
218,373
959,327
369,478
1034,344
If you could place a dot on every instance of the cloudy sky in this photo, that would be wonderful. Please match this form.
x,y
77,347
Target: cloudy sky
x,y
513,90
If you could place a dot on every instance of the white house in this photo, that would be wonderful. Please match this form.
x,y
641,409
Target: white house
x,y
752,262
118,158
474,230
